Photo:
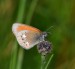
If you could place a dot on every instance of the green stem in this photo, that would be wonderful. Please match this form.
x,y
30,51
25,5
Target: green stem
x,y
20,53
42,61
21,12
31,11
17,57
49,61
20,58
13,57
16,60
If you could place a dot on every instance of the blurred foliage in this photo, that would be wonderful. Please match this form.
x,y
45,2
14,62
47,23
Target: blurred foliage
x,y
57,13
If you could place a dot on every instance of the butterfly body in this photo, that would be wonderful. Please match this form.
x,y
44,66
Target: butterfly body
x,y
27,36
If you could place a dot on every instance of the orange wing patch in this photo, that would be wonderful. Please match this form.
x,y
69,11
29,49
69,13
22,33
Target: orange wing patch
x,y
22,27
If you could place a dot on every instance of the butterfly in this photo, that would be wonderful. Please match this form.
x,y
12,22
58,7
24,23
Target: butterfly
x,y
27,36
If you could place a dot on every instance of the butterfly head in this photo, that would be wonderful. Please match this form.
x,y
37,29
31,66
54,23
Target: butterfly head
x,y
44,34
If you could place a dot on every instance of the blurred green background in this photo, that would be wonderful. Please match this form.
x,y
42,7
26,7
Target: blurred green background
x,y
41,14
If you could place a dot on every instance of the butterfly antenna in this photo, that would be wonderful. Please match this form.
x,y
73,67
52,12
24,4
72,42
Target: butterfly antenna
x,y
49,28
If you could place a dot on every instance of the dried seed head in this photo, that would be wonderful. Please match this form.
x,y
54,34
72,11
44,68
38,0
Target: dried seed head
x,y
44,47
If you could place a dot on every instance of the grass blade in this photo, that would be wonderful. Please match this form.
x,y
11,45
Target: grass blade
x,y
49,61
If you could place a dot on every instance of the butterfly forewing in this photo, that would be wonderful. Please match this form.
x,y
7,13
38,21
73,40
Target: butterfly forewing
x,y
26,36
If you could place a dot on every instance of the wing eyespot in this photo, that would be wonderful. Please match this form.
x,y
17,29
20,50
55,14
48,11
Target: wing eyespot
x,y
23,36
27,44
24,42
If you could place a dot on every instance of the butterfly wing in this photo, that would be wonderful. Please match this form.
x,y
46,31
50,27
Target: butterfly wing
x,y
27,36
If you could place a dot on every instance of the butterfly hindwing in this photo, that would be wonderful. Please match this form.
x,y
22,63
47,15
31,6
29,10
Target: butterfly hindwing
x,y
26,38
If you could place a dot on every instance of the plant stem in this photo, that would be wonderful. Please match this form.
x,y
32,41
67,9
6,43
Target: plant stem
x,y
17,57
31,11
13,57
20,58
21,12
20,52
42,61
49,61
16,60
